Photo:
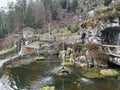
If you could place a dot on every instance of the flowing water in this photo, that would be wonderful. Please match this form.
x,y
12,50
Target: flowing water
x,y
39,74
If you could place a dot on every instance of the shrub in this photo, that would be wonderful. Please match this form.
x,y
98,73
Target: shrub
x,y
74,28
102,57
81,46
63,3
69,27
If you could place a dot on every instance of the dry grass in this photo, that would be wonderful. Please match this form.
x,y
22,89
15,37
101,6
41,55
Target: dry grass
x,y
6,51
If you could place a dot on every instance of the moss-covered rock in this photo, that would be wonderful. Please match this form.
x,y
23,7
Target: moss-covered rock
x,y
92,72
66,63
109,72
47,88
39,58
92,75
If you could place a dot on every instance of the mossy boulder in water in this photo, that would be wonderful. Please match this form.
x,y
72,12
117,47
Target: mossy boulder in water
x,y
92,72
92,75
63,72
48,88
66,63
39,58
109,72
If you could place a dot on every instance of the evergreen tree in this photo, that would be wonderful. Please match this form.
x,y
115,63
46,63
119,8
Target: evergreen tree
x,y
107,2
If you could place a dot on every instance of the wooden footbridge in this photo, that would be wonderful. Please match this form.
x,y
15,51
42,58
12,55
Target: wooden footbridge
x,y
112,50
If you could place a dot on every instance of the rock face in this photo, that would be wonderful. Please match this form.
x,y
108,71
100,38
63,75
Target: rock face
x,y
111,35
97,33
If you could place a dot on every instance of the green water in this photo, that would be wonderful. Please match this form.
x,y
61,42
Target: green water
x,y
39,74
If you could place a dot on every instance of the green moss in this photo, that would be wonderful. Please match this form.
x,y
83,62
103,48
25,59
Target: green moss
x,y
66,64
81,46
105,11
92,75
6,50
39,58
92,72
94,69
47,88
109,72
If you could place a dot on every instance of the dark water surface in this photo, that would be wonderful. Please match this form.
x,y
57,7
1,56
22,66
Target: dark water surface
x,y
39,74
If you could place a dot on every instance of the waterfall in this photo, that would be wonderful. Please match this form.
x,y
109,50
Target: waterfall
x,y
63,51
118,40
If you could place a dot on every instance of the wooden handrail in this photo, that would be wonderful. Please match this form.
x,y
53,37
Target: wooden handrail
x,y
117,55
112,54
111,46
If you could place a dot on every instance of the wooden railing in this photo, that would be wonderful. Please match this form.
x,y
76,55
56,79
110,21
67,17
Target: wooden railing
x,y
112,50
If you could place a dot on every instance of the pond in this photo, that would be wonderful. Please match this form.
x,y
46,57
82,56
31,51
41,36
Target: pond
x,y
42,73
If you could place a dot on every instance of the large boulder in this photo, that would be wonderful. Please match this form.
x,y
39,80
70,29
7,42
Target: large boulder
x,y
109,72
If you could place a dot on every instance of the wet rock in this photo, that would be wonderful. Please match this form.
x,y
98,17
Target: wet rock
x,y
81,59
63,71
90,62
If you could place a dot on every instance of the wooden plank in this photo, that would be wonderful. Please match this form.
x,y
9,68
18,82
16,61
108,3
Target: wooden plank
x,y
117,55
111,46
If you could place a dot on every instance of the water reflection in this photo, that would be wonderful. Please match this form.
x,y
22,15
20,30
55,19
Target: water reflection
x,y
39,74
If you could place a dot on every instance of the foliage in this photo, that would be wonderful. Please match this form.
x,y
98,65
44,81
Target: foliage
x,y
75,26
34,14
54,13
109,72
78,47
3,32
29,18
38,24
81,46
69,27
64,4
70,6
105,11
